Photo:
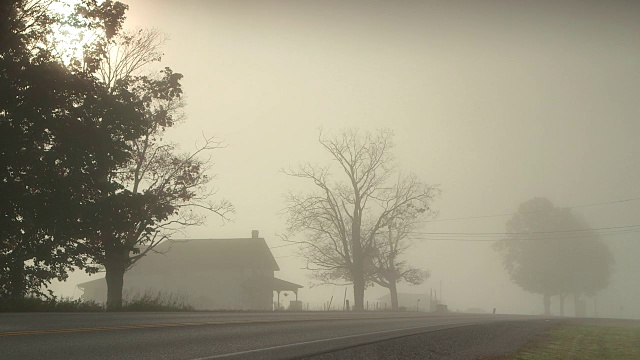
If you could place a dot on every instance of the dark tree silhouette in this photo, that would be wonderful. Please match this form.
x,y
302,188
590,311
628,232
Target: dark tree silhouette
x,y
86,180
60,132
159,187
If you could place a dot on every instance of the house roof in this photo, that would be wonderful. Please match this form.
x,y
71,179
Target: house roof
x,y
271,283
275,284
214,253
282,285
91,283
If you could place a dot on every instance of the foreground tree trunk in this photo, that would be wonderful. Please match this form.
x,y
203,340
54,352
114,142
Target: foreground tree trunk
x,y
17,284
546,299
394,296
115,266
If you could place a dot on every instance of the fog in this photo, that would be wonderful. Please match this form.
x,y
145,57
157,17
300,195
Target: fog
x,y
496,101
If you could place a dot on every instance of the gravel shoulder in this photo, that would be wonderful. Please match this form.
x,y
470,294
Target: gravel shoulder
x,y
484,341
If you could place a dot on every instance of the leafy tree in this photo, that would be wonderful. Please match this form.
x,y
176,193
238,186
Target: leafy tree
x,y
157,189
60,132
340,219
551,252
86,180
588,266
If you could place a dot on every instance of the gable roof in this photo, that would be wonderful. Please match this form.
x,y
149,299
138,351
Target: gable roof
x,y
220,253
208,254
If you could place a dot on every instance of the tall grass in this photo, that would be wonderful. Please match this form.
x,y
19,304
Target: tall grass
x,y
151,300
52,304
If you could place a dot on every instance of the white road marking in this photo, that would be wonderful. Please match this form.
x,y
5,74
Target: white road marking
x,y
239,353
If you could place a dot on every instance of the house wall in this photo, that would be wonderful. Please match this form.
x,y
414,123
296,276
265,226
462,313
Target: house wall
x,y
222,289
96,292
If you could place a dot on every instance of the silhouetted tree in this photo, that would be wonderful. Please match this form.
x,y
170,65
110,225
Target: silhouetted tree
x,y
340,220
85,179
159,186
60,132
551,252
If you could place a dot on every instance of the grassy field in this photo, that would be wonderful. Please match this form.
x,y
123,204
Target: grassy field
x,y
617,340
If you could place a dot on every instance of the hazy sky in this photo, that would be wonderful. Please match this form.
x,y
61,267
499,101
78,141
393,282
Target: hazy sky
x,y
496,101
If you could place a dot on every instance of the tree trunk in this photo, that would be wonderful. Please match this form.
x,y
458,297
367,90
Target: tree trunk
x,y
546,299
358,262
358,290
561,298
115,266
17,281
394,295
576,304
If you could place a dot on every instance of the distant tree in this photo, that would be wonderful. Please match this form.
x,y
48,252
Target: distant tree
x,y
386,267
60,132
552,252
341,219
589,265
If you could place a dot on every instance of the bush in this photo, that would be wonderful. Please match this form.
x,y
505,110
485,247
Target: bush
x,y
156,301
42,304
147,301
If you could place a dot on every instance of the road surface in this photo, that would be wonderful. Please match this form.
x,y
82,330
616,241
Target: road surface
x,y
216,335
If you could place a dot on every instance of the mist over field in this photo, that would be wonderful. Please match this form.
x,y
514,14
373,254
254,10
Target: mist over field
x,y
496,103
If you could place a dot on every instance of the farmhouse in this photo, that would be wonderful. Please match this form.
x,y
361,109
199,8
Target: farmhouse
x,y
229,274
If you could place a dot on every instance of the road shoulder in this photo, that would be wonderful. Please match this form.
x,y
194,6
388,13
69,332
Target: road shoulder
x,y
483,341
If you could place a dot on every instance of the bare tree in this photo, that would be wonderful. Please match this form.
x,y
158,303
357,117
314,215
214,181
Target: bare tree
x,y
340,219
130,52
386,268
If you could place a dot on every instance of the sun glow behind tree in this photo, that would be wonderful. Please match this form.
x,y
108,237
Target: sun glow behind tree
x,y
70,38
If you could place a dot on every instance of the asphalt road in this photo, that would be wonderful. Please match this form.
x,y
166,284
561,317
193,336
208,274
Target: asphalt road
x,y
211,335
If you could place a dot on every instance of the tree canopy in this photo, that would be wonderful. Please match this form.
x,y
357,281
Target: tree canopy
x,y
86,179
552,251
60,133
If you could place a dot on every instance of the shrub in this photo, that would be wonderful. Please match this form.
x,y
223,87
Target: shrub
x,y
42,304
151,300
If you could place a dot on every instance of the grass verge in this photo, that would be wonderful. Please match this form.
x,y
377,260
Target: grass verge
x,y
617,340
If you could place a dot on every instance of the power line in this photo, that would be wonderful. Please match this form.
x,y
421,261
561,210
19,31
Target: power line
x,y
285,256
520,239
522,233
292,243
531,212
447,236
629,227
